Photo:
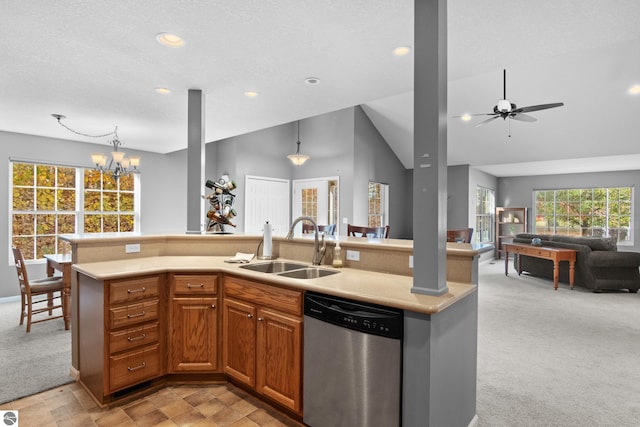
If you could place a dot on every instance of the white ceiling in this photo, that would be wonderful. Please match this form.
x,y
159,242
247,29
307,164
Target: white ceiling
x,y
98,63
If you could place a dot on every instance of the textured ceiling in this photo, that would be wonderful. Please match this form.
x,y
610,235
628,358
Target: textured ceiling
x,y
98,63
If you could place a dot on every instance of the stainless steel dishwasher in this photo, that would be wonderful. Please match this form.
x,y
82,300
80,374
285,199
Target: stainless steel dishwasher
x,y
352,363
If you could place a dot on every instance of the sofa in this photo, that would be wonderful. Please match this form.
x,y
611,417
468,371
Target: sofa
x,y
599,266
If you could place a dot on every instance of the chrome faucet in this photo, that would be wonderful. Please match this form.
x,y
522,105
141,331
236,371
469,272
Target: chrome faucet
x,y
318,252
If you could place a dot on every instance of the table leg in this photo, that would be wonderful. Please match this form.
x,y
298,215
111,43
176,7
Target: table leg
x,y
506,263
572,271
66,296
556,270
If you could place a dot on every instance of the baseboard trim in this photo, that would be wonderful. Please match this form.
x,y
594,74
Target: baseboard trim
x,y
74,373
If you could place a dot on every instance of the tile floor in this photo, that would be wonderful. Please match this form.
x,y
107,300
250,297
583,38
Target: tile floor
x,y
202,405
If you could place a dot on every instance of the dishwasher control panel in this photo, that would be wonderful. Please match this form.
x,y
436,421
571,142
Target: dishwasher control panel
x,y
356,315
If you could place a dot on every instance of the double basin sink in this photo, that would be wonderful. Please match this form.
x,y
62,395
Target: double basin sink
x,y
293,270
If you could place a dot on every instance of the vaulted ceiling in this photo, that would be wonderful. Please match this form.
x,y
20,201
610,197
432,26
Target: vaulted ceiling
x,y
98,63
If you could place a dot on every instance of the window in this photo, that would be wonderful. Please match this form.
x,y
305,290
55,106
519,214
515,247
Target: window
x,y
310,203
108,203
597,212
46,202
485,211
378,215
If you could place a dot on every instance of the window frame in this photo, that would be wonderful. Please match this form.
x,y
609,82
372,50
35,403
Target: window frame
x,y
487,217
598,224
381,204
78,211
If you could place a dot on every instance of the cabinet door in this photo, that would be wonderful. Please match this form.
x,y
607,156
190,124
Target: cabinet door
x,y
194,326
239,347
279,357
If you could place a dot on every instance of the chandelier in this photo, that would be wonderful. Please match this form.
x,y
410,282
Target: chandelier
x,y
119,165
298,159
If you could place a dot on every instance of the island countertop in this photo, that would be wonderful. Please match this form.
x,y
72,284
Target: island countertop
x,y
374,287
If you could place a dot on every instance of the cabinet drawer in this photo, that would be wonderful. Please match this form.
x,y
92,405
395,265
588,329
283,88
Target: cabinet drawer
x,y
131,338
130,368
285,300
133,313
133,290
195,284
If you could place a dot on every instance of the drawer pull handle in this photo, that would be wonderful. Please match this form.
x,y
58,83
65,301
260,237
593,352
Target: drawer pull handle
x,y
140,337
135,368
129,316
250,316
131,291
189,285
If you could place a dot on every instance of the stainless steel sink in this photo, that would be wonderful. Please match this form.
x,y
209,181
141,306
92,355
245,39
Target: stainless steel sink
x,y
274,266
308,273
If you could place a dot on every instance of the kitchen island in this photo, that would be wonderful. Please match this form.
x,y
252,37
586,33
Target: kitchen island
x,y
382,275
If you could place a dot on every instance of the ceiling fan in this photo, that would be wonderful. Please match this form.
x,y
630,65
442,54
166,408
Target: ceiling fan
x,y
507,109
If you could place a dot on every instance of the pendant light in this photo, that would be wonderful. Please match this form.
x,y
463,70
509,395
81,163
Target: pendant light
x,y
298,159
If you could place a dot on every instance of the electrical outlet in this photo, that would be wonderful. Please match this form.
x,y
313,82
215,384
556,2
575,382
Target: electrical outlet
x,y
410,261
129,249
345,220
353,255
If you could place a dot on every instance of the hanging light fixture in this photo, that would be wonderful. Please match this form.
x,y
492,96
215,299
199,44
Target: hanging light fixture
x,y
298,159
119,165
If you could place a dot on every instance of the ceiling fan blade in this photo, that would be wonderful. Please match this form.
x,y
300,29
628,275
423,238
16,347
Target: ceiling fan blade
x,y
538,107
473,115
487,121
523,117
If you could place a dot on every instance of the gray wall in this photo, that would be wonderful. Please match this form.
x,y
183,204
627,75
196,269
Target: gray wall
x,y
343,143
458,206
375,161
518,191
163,183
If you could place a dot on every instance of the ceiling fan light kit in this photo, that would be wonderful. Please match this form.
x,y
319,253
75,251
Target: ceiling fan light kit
x,y
506,109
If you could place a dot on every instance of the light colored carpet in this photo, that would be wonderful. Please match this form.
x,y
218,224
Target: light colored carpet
x,y
31,362
555,358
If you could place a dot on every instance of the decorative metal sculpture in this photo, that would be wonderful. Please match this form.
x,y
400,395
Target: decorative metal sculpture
x,y
220,204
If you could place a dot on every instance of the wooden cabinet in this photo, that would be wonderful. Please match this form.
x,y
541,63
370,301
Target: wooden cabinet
x,y
509,222
134,306
262,330
120,333
193,323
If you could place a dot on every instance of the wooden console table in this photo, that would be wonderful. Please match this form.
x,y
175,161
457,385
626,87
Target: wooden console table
x,y
554,254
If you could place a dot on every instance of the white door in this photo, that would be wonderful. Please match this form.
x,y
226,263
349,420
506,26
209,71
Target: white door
x,y
266,199
316,198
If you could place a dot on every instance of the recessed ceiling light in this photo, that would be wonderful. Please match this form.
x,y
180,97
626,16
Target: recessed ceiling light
x,y
163,90
250,94
169,40
401,50
465,117
634,90
312,80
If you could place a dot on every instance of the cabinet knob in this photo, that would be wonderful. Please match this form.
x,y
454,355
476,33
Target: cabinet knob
x,y
260,319
250,316
213,306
